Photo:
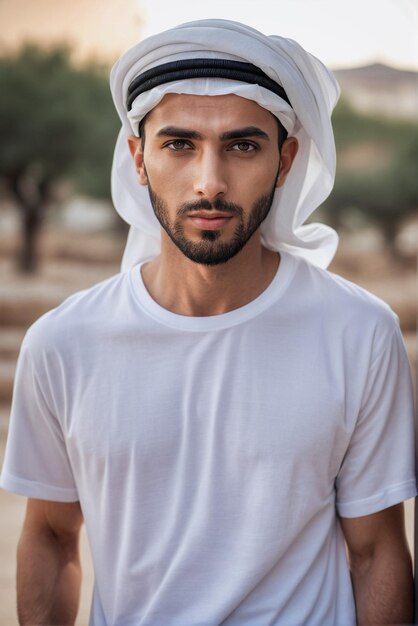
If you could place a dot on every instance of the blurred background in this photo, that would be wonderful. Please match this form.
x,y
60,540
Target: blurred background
x,y
58,231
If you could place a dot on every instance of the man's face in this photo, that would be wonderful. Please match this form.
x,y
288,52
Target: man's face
x,y
211,164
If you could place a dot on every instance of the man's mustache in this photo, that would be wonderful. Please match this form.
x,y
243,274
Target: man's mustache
x,y
205,205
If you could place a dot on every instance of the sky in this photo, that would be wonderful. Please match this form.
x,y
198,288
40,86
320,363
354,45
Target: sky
x,y
342,33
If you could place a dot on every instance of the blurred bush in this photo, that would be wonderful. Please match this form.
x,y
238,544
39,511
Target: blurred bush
x,y
57,122
377,160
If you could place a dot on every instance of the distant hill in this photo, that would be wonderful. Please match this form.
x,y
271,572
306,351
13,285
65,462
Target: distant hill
x,y
380,89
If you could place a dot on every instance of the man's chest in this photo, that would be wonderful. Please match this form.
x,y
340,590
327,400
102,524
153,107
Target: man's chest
x,y
223,401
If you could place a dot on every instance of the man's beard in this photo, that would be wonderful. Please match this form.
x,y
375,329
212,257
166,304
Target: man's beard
x,y
210,251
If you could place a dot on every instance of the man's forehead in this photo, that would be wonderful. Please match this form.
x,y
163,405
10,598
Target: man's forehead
x,y
230,108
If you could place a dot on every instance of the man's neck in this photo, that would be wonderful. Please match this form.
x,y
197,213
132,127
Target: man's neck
x,y
187,288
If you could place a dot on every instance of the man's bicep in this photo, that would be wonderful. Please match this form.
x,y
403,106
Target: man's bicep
x,y
384,529
62,518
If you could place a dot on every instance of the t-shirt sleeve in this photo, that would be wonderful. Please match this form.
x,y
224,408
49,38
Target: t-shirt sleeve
x,y
378,469
36,463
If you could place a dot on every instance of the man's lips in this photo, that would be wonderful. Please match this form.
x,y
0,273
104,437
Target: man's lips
x,y
211,220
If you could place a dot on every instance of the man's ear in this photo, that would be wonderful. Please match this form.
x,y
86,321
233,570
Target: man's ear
x,y
135,148
287,156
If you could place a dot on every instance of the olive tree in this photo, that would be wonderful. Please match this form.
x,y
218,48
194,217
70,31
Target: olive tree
x,y
56,122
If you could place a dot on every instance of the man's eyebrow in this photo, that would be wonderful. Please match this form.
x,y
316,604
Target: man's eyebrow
x,y
247,131
181,133
238,133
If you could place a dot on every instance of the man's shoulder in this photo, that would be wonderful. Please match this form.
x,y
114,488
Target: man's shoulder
x,y
338,297
85,309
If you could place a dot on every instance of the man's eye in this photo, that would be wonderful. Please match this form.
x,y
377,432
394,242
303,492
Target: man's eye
x,y
244,146
177,145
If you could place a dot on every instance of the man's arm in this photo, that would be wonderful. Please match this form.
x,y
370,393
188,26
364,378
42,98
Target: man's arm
x,y
381,567
48,564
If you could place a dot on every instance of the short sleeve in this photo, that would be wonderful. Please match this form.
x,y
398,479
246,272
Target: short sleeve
x,y
36,463
378,469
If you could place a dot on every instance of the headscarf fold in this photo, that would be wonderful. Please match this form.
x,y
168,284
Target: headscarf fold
x,y
312,91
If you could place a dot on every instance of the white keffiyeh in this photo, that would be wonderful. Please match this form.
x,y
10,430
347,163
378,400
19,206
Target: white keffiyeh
x,y
312,90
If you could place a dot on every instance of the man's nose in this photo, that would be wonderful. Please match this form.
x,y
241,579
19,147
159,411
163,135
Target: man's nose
x,y
210,176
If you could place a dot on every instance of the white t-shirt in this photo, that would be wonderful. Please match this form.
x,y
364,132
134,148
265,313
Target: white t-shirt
x,y
210,454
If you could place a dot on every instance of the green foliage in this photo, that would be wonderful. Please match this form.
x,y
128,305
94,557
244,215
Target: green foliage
x,y
57,118
352,127
92,171
385,189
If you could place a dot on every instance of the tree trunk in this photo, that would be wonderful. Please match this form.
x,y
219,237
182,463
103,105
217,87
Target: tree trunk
x,y
31,193
31,226
390,230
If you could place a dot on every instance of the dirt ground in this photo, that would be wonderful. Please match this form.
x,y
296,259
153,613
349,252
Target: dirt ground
x,y
73,261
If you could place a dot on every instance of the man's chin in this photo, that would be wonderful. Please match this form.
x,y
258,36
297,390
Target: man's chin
x,y
209,255
210,235
209,262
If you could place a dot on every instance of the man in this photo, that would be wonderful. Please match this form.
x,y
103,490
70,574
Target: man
x,y
225,413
